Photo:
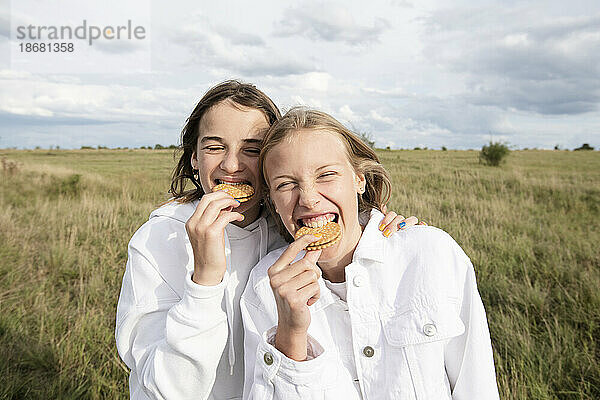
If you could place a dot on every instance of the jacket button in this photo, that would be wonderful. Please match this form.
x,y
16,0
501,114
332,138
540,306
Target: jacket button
x,y
358,280
368,351
268,358
429,329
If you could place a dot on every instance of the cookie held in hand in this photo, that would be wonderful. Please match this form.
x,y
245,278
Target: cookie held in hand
x,y
241,192
329,234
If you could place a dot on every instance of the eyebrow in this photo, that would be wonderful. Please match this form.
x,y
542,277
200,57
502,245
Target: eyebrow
x,y
283,176
220,140
213,138
318,169
257,141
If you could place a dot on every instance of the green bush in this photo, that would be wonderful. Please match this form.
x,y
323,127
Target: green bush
x,y
493,153
585,146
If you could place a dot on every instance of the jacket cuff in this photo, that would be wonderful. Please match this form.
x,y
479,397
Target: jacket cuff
x,y
198,301
297,372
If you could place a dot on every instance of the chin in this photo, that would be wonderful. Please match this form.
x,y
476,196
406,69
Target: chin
x,y
247,206
331,253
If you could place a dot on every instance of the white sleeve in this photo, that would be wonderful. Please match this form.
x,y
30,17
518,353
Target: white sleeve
x,y
172,345
469,357
269,374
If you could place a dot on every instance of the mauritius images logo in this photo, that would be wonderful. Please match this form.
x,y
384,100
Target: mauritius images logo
x,y
85,31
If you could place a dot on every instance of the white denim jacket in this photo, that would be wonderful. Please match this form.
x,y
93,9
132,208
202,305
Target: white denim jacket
x,y
414,325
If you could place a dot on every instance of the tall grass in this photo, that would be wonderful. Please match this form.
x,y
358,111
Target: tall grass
x,y
530,227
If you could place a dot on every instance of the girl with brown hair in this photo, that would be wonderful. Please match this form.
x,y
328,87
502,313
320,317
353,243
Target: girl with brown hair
x,y
179,327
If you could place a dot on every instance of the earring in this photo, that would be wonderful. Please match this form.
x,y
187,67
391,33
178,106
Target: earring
x,y
195,172
361,189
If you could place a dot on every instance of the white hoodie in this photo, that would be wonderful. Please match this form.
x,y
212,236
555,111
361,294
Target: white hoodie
x,y
182,340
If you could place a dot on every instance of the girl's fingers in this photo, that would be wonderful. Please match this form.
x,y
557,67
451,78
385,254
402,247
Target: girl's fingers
x,y
289,272
386,220
312,257
226,217
393,226
206,200
213,210
303,279
410,221
399,222
310,293
312,300
291,253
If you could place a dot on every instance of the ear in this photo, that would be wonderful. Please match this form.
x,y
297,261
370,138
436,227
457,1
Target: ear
x,y
194,161
360,183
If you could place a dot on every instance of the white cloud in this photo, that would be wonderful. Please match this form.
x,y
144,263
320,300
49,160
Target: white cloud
x,y
346,114
34,95
432,74
513,59
232,50
375,116
332,23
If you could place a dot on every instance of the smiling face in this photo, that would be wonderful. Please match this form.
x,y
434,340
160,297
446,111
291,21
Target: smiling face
x,y
311,182
227,151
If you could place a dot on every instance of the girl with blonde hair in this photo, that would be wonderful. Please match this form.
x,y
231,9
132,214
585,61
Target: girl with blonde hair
x,y
364,318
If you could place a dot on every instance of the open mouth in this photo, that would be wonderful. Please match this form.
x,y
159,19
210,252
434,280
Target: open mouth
x,y
240,190
317,221
324,227
241,182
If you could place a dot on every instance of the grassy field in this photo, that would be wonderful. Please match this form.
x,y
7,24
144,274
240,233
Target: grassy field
x,y
529,227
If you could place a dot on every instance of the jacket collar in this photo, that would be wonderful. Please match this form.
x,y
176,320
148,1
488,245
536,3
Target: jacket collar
x,y
372,244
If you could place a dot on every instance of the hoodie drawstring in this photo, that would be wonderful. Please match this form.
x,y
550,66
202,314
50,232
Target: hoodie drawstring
x,y
264,232
230,293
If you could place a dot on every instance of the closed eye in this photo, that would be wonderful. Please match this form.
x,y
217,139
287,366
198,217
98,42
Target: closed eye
x,y
213,148
327,174
254,151
284,185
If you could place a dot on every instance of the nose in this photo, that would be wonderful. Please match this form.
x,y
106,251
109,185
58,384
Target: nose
x,y
230,163
308,198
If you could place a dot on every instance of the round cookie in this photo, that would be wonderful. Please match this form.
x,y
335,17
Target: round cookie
x,y
241,192
329,234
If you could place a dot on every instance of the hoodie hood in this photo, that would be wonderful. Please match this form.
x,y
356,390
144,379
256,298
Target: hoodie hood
x,y
175,210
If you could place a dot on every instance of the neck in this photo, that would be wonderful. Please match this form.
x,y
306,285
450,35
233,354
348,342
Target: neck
x,y
250,216
334,270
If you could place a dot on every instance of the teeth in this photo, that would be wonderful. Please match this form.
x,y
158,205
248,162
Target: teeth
x,y
319,221
231,183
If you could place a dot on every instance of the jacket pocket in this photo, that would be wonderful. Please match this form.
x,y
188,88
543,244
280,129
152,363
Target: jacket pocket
x,y
417,340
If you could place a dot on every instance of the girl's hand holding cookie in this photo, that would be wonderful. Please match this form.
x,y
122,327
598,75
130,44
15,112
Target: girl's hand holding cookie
x,y
205,229
295,287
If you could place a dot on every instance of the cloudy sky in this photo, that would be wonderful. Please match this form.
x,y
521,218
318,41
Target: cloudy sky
x,y
427,73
